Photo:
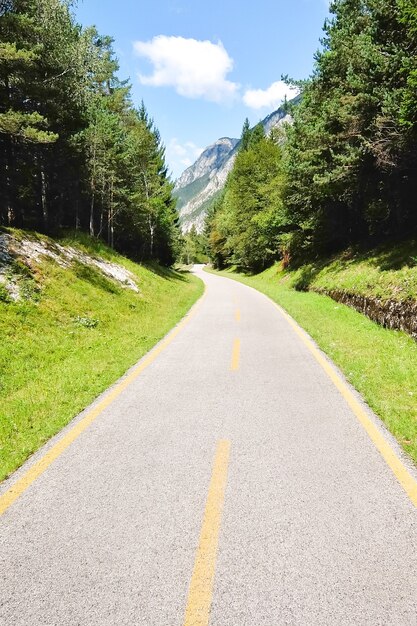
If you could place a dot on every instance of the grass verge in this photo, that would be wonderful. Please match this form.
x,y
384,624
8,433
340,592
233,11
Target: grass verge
x,y
386,273
72,335
379,363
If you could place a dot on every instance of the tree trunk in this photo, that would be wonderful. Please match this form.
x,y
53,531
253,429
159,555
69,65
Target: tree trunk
x,y
9,199
93,184
10,212
100,230
111,220
45,216
77,208
92,213
151,233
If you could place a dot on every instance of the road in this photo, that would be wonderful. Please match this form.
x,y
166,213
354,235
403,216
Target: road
x,y
224,481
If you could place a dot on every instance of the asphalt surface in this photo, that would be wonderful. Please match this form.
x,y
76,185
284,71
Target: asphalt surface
x,y
315,530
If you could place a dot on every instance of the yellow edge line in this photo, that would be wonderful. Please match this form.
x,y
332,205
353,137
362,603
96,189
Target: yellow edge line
x,y
200,593
235,355
20,486
407,481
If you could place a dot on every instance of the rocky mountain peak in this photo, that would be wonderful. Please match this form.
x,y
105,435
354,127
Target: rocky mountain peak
x,y
211,159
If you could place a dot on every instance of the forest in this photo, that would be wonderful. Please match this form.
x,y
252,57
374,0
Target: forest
x,y
75,153
343,172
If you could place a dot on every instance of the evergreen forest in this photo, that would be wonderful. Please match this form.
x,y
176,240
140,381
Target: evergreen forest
x,y
75,153
342,172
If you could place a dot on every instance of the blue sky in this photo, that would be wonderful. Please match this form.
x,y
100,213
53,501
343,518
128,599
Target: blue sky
x,y
201,67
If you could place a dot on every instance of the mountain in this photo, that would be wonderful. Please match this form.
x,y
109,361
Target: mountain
x,y
199,185
212,158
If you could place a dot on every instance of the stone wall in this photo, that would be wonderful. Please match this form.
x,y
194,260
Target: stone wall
x,y
388,313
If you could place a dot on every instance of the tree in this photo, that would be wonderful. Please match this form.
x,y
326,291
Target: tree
x,y
350,155
74,152
22,124
245,136
243,227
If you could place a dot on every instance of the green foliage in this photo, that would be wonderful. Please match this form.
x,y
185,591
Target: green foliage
x,y
245,137
352,149
243,225
348,163
87,322
193,248
4,294
74,152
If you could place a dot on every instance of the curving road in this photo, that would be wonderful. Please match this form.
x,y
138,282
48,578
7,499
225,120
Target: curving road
x,y
224,481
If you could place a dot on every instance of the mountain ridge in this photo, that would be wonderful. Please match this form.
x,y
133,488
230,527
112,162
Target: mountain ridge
x,y
200,183
215,152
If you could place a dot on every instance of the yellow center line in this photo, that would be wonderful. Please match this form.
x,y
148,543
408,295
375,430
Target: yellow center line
x,y
20,486
200,592
235,356
237,315
406,480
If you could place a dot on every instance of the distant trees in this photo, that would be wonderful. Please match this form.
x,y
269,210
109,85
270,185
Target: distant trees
x,y
74,152
244,223
193,247
346,173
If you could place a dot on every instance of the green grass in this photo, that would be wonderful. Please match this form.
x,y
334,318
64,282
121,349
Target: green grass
x,y
75,333
380,363
387,273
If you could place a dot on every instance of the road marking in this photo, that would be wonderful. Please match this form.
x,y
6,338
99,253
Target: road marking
x,y
237,315
200,592
235,356
407,481
20,486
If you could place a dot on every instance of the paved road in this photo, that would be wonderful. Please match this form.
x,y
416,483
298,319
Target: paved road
x,y
234,456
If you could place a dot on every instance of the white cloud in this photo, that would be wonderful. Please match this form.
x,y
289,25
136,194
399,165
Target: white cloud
x,y
182,155
196,69
269,98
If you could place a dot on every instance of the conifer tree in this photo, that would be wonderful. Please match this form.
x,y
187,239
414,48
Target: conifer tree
x,y
245,136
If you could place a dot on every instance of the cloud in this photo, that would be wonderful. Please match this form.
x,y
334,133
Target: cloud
x,y
182,155
196,69
269,98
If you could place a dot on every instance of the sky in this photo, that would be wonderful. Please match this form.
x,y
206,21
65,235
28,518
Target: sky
x,y
202,66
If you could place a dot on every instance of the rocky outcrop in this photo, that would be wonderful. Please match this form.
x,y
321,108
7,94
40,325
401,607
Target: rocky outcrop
x,y
199,184
30,251
211,159
393,314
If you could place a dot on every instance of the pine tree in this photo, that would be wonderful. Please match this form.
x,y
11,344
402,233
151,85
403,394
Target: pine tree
x,y
245,136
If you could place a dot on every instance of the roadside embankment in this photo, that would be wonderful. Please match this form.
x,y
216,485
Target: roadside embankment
x,y
381,284
380,363
74,316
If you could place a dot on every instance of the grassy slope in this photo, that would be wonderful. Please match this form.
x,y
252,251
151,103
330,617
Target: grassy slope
x,y
52,366
380,363
387,273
